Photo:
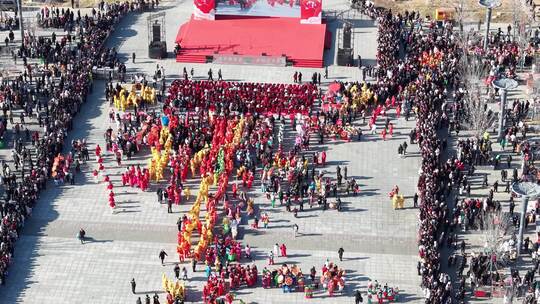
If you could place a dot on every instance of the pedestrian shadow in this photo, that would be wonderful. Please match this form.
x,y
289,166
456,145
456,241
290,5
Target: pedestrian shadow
x,y
358,177
127,207
279,226
349,209
150,292
242,231
93,240
407,297
281,221
193,295
128,202
356,259
125,193
411,154
202,278
125,211
300,234
298,255
336,163
366,193
406,208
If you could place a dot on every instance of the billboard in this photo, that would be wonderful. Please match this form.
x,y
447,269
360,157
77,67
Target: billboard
x,y
311,11
266,8
204,9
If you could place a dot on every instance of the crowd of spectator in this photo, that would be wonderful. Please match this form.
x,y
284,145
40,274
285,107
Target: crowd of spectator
x,y
53,93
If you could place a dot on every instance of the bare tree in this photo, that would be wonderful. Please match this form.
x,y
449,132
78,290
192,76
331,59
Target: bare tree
x,y
497,231
472,72
462,13
522,16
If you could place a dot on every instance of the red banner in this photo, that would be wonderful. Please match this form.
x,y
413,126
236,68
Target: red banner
x,y
204,9
311,11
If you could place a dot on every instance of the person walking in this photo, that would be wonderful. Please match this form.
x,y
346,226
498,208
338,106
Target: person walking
x,y
326,72
169,206
133,285
283,250
340,253
159,194
210,74
133,57
81,235
194,265
295,229
162,255
184,274
364,72
271,258
312,273
179,223
358,297
511,207
219,75
177,272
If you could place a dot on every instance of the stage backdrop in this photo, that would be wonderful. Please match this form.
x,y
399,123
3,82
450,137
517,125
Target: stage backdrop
x,y
204,9
311,11
267,8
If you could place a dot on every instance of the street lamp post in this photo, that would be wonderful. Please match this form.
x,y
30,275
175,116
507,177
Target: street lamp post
x,y
527,191
504,85
489,5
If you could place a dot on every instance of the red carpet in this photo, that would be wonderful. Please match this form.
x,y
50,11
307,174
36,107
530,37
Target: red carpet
x,y
303,44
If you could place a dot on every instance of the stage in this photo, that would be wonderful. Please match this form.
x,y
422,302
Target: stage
x,y
302,44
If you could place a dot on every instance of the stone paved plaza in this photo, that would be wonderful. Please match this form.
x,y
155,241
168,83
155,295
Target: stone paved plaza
x,y
51,266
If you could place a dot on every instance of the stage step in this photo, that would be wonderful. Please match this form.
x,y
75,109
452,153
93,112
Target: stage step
x,y
190,58
308,63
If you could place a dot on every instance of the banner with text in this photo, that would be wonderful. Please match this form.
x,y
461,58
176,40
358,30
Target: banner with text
x,y
311,12
262,8
204,9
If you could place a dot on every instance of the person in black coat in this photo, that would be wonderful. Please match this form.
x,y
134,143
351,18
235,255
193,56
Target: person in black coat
x,y
358,297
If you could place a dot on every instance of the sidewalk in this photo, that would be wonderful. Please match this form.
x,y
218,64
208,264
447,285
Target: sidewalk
x,y
476,239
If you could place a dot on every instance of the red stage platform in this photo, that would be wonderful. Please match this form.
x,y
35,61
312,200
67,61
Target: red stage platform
x,y
303,44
